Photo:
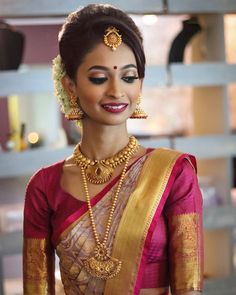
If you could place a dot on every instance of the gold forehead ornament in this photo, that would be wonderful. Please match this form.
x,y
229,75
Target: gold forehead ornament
x,y
112,38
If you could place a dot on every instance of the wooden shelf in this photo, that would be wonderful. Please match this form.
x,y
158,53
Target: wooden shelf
x,y
207,147
30,80
219,217
196,74
220,286
11,242
27,162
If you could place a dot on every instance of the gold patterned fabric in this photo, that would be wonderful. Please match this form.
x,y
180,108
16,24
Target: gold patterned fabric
x,y
185,245
38,267
77,243
137,218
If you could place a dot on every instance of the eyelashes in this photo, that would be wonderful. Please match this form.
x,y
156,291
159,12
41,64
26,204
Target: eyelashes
x,y
98,81
129,79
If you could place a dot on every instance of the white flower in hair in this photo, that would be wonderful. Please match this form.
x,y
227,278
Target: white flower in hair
x,y
58,72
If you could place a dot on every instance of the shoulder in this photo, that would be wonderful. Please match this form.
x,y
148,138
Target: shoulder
x,y
45,175
176,158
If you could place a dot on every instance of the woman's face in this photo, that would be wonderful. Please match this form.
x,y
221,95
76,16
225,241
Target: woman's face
x,y
107,84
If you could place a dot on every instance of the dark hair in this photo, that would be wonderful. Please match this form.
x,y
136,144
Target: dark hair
x,y
85,28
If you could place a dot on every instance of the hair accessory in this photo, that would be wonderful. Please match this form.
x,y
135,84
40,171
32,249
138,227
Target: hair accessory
x,y
67,104
100,171
58,72
139,112
75,111
112,38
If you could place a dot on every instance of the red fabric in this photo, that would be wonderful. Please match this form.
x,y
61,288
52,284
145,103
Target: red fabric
x,y
47,206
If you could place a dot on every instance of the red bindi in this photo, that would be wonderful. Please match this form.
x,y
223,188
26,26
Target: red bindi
x,y
115,67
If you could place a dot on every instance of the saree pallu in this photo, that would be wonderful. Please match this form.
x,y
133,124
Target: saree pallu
x,y
156,233
77,242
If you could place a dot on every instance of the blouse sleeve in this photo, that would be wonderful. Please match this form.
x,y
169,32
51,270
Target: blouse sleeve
x,y
184,218
38,252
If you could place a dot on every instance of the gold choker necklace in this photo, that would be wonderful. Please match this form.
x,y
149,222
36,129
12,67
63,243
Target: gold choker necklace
x,y
100,171
101,264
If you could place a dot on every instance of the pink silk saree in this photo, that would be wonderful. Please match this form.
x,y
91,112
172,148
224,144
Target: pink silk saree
x,y
156,230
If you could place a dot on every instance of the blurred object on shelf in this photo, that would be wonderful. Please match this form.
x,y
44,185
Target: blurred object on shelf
x,y
39,113
209,192
13,286
190,28
14,121
10,144
233,195
11,47
230,50
234,170
23,143
11,217
34,140
4,126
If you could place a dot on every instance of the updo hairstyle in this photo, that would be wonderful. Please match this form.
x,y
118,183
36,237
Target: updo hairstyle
x,y
85,28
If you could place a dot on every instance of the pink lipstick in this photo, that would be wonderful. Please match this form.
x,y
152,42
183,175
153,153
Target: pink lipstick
x,y
115,107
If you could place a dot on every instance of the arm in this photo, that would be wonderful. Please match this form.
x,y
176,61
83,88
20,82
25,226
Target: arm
x,y
38,252
184,218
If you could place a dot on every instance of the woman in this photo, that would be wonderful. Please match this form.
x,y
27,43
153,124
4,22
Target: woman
x,y
123,219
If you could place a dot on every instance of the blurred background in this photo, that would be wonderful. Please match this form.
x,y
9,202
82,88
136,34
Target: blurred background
x,y
189,94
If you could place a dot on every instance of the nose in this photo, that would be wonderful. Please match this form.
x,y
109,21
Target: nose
x,y
114,90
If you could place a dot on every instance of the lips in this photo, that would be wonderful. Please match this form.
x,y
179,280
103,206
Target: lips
x,y
115,107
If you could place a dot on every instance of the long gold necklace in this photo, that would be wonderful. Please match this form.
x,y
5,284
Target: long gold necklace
x,y
101,264
100,171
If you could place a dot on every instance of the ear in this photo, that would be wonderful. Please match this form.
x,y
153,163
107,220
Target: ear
x,y
68,85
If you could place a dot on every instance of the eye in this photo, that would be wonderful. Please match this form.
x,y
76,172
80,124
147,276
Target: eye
x,y
97,81
129,79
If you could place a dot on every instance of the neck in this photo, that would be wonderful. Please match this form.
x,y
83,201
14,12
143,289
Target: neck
x,y
101,142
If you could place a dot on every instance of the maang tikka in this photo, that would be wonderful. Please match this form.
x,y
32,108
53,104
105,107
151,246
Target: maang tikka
x,y
75,111
112,38
139,112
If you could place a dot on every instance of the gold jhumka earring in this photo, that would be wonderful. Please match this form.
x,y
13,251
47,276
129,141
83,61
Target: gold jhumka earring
x,y
139,112
75,112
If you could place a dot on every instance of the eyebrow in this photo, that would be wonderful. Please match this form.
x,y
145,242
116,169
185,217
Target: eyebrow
x,y
97,67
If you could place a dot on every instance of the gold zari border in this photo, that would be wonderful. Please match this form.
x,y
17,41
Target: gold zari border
x,y
36,267
186,268
137,217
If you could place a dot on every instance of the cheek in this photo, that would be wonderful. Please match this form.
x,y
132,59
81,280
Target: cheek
x,y
134,96
87,95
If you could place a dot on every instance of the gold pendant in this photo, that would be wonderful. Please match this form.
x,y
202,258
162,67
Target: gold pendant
x,y
99,173
101,265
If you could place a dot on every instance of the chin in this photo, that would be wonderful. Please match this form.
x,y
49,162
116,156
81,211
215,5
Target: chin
x,y
114,121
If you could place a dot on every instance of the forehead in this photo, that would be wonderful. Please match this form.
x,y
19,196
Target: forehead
x,y
103,55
